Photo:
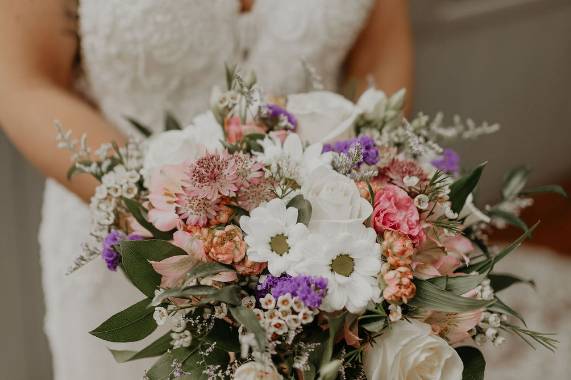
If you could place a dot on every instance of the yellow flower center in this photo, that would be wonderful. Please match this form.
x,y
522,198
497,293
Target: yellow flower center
x,y
343,264
278,244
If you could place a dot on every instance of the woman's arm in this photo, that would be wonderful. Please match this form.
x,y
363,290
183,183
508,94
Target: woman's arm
x,y
37,49
384,51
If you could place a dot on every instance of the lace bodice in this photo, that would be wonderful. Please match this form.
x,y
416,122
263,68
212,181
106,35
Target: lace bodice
x,y
145,57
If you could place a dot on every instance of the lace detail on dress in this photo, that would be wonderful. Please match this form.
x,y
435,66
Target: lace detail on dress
x,y
147,56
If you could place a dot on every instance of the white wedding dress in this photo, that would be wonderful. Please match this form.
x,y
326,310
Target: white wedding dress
x,y
142,58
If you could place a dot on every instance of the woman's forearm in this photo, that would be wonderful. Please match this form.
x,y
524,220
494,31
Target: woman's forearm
x,y
27,112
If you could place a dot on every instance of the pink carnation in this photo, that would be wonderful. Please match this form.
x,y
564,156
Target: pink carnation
x,y
395,211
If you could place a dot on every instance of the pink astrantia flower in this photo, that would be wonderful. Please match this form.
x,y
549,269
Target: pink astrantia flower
x,y
395,211
164,185
196,211
212,176
248,170
252,196
399,169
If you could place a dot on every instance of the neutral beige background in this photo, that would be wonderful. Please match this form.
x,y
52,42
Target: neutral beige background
x,y
500,60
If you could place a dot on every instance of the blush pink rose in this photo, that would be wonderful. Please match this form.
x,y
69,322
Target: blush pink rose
x,y
395,211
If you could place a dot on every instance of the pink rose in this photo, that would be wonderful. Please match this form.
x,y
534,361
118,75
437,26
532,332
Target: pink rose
x,y
395,211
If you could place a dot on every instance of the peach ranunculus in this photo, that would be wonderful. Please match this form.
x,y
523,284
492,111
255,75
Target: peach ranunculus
x,y
165,183
247,267
228,245
395,211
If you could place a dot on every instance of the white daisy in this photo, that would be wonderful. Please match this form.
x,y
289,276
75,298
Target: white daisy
x,y
349,257
273,235
290,159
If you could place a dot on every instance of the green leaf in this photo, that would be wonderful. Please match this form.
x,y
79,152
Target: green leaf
x,y
463,187
171,123
474,363
303,207
500,307
335,323
157,348
135,257
140,214
330,370
197,362
228,294
431,297
145,131
247,318
208,269
510,218
224,335
458,284
514,182
501,281
376,326
132,324
162,369
487,265
556,189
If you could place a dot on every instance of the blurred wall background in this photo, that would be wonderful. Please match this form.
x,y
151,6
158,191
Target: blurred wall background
x,y
506,61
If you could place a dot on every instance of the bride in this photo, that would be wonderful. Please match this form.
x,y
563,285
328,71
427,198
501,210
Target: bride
x,y
141,58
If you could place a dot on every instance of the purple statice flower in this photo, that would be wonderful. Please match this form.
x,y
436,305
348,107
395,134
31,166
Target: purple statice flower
x,y
311,290
109,254
449,162
369,150
276,113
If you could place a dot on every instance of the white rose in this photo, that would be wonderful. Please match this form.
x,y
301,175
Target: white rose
x,y
373,103
175,147
408,350
256,371
334,197
322,116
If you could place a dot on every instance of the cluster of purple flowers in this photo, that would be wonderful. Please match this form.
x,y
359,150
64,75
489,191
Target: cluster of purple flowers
x,y
449,162
277,116
109,254
311,290
367,144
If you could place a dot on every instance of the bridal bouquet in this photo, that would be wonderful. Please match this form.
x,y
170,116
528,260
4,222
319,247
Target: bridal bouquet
x,y
271,243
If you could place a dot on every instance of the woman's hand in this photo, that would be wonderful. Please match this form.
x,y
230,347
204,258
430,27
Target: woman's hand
x,y
383,50
37,51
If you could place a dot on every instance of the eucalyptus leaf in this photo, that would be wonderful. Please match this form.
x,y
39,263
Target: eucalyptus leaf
x,y
247,318
208,269
140,214
162,369
157,348
501,281
487,265
464,186
510,218
500,307
458,284
514,182
303,207
171,123
130,325
431,297
335,323
145,131
556,189
135,257
224,335
227,294
474,363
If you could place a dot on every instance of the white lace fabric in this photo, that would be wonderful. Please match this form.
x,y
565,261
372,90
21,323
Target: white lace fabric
x,y
142,58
